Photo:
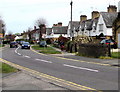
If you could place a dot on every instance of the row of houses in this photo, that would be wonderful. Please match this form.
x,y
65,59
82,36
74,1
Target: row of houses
x,y
100,24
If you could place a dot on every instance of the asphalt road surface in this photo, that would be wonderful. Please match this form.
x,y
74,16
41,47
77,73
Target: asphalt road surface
x,y
95,76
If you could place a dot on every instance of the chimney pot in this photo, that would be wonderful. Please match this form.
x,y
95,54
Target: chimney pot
x,y
83,18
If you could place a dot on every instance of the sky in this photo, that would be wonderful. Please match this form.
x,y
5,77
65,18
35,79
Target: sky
x,y
19,15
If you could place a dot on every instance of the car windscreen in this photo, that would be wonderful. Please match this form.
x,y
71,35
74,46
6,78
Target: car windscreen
x,y
25,43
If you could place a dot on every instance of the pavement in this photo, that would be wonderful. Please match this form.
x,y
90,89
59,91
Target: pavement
x,y
24,81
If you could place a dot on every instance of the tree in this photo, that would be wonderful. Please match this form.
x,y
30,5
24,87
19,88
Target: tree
x,y
41,23
29,33
2,27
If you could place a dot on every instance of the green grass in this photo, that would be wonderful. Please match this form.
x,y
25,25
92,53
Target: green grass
x,y
1,45
4,68
46,50
115,55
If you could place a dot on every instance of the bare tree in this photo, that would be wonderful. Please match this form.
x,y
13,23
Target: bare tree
x,y
41,23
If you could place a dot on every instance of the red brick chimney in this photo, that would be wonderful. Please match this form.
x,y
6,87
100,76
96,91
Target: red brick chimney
x,y
112,8
95,14
83,18
59,24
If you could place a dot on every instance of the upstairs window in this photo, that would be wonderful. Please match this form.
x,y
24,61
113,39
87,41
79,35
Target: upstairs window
x,y
94,29
100,27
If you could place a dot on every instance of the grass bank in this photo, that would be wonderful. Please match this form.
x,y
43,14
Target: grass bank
x,y
4,68
115,55
46,50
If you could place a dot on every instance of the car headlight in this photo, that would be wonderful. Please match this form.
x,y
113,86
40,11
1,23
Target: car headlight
x,y
22,45
28,45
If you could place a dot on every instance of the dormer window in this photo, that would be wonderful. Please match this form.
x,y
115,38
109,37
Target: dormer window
x,y
100,27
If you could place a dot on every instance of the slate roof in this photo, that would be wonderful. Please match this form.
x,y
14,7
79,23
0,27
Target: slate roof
x,y
109,18
60,29
88,23
75,24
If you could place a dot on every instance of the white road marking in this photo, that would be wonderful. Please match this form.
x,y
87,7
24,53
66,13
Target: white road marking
x,y
43,60
16,50
81,68
19,54
26,56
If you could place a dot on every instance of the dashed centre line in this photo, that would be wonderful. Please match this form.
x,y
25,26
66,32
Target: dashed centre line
x,y
82,68
26,56
43,60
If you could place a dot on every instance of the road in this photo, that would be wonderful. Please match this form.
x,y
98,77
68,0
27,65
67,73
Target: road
x,y
88,75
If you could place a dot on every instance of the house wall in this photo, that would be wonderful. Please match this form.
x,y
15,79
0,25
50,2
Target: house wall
x,y
118,37
93,31
101,21
68,31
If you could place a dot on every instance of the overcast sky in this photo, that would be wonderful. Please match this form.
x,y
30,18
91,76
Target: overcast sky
x,y
19,15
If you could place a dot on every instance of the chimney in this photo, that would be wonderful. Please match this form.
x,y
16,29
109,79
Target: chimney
x,y
95,14
112,8
54,24
34,27
59,24
83,18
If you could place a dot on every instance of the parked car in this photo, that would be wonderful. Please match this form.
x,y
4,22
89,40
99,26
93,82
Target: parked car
x,y
43,44
21,42
13,44
112,43
25,45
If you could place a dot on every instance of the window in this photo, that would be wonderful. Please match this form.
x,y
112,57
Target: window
x,y
100,27
94,29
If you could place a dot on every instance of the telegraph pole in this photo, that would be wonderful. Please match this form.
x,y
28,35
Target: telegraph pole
x,y
71,29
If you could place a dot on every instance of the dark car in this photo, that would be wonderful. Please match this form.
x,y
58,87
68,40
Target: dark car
x,y
13,44
25,45
43,44
112,43
21,42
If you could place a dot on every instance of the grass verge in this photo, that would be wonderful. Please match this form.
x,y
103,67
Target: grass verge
x,y
1,45
115,55
46,50
4,68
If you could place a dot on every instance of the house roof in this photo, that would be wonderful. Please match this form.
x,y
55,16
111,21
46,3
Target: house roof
x,y
48,31
88,23
109,18
75,24
60,29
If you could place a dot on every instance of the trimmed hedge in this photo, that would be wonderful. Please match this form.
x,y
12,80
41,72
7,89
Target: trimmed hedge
x,y
92,50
